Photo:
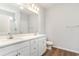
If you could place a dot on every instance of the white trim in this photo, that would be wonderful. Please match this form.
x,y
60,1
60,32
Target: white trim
x,y
67,49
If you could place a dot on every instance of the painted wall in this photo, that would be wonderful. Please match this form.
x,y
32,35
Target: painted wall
x,y
62,26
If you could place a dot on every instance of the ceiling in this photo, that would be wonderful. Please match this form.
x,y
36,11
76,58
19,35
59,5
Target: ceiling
x,y
44,5
47,5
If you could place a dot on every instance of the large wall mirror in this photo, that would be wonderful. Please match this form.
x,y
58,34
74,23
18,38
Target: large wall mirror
x,y
6,22
28,22
21,21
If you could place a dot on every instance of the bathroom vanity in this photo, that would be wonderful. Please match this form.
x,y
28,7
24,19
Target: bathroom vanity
x,y
23,45
15,25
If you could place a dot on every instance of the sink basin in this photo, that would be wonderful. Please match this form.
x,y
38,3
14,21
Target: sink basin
x,y
3,40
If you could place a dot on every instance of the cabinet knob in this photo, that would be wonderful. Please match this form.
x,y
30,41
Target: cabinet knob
x,y
16,54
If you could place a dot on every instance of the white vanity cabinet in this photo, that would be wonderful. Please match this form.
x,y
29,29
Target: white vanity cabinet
x,y
19,49
20,52
34,47
31,47
38,46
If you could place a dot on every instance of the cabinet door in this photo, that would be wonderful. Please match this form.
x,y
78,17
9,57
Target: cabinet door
x,y
25,51
34,47
42,45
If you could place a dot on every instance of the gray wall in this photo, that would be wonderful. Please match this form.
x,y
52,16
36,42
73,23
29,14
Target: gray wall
x,y
62,26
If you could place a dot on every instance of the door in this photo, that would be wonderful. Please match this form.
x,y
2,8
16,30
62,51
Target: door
x,y
34,47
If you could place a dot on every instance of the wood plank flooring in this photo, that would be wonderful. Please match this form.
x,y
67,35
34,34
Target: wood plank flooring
x,y
59,52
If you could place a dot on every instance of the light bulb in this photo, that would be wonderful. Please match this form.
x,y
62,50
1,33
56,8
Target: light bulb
x,y
37,9
19,3
33,5
10,18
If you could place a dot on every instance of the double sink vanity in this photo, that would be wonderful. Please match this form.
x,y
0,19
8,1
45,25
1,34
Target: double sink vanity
x,y
17,23
23,45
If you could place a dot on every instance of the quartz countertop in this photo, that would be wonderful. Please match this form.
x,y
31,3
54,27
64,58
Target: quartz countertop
x,y
4,41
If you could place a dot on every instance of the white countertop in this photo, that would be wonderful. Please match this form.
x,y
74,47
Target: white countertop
x,y
4,41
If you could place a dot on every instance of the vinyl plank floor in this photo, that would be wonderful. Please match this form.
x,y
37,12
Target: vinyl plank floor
x,y
59,52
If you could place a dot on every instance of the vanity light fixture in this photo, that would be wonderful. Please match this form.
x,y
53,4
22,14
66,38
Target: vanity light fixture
x,y
33,8
20,5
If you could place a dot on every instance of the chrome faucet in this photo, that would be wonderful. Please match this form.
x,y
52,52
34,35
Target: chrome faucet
x,y
10,36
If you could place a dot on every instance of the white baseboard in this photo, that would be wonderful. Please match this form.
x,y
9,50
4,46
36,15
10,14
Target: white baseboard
x,y
67,49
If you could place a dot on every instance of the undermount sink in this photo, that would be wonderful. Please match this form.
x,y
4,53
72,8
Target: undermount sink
x,y
3,40
8,39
